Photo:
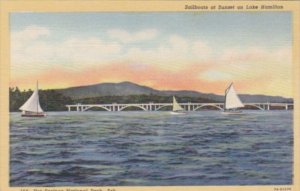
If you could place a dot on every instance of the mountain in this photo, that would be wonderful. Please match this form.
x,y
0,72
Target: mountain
x,y
106,89
129,88
264,99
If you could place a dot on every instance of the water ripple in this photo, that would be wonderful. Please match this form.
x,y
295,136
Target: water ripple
x,y
151,149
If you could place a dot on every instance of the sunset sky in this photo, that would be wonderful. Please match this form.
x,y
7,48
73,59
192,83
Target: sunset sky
x,y
168,50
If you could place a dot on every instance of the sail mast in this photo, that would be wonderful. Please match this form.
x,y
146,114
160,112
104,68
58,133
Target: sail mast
x,y
226,91
32,104
176,106
37,100
32,108
232,100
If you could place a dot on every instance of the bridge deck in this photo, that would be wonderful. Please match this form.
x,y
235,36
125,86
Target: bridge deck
x,y
158,106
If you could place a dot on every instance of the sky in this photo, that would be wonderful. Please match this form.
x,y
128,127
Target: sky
x,y
201,51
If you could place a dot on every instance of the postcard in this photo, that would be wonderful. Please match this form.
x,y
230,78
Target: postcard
x,y
149,95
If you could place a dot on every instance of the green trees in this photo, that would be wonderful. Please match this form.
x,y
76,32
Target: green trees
x,y
138,99
17,98
50,100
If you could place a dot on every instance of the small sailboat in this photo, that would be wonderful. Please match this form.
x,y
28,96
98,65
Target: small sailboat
x,y
177,109
232,101
32,108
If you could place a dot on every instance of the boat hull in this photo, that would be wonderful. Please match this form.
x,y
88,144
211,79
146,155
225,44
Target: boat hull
x,y
177,113
34,115
233,113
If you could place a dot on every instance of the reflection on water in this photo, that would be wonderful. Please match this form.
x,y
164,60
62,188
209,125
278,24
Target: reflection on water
x,y
151,148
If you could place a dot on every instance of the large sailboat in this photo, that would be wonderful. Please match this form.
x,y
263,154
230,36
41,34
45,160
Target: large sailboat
x,y
232,101
177,109
32,108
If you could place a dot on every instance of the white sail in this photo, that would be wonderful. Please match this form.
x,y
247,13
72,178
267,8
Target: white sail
x,y
176,106
231,99
33,103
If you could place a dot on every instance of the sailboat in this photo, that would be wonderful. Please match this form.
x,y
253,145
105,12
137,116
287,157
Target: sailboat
x,y
232,101
32,108
177,109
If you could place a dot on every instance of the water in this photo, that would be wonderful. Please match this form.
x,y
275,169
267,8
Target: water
x,y
151,148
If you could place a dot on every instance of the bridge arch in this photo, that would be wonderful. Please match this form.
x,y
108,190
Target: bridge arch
x,y
137,106
204,105
258,107
160,107
96,106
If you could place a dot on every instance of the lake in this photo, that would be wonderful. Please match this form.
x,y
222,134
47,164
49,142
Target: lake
x,y
135,148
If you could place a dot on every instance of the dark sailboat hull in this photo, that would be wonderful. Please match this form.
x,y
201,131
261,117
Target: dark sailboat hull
x,y
32,115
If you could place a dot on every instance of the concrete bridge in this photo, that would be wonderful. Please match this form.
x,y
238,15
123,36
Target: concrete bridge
x,y
187,106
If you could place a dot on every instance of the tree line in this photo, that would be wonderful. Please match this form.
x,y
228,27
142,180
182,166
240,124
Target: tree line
x,y
142,98
52,100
